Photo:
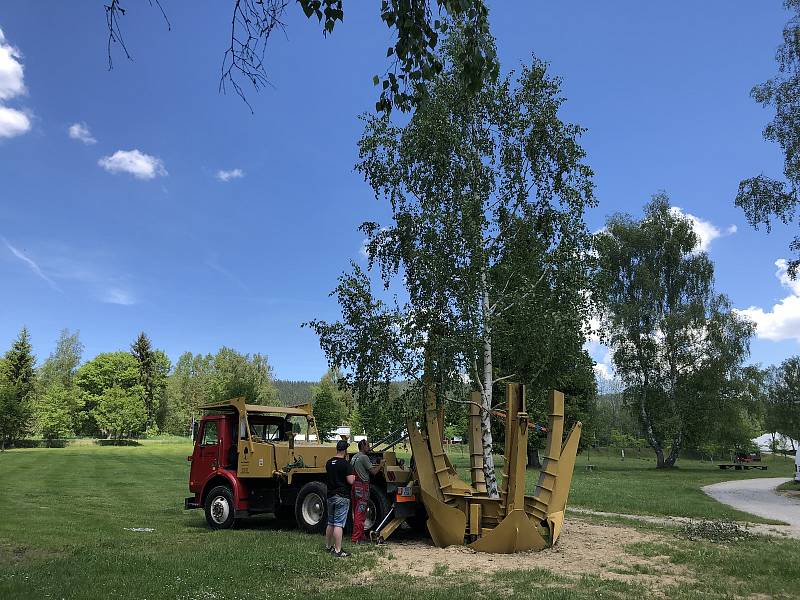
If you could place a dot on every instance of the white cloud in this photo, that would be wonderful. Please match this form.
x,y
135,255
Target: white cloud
x,y
31,264
134,162
118,296
706,231
603,371
80,132
11,73
13,122
782,322
599,352
223,175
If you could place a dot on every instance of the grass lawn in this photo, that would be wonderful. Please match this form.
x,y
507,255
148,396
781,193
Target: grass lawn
x,y
790,486
63,536
635,486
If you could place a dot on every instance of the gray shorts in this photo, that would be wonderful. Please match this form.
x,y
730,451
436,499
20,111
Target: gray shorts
x,y
338,508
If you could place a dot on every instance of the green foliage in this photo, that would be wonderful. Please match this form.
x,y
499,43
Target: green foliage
x,y
783,399
292,393
120,412
106,370
625,440
486,210
103,372
17,386
60,398
18,365
761,197
378,418
236,374
56,412
201,379
415,61
188,387
677,346
58,403
15,413
60,367
487,189
330,409
611,412
153,367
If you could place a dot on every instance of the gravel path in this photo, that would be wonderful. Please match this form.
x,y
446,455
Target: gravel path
x,y
758,497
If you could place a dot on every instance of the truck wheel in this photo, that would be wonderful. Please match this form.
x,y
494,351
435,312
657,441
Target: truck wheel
x,y
377,508
310,508
220,512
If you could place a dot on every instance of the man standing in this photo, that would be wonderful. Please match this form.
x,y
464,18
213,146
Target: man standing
x,y
340,478
363,468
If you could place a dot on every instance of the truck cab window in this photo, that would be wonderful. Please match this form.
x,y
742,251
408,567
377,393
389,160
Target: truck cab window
x,y
210,434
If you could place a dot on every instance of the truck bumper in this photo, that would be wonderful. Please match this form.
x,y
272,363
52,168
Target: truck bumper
x,y
191,502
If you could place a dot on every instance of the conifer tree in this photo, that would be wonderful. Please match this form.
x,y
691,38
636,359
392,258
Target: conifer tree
x,y
17,382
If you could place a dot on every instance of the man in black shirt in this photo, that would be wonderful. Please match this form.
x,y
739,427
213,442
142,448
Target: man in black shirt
x,y
340,478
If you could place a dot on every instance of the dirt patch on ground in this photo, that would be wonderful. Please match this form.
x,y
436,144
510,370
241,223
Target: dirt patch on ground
x,y
795,494
583,548
14,555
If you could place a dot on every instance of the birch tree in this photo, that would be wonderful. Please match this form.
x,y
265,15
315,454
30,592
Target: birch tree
x,y
677,345
480,185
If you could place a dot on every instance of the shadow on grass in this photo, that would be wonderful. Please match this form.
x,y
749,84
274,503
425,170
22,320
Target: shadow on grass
x,y
117,443
256,522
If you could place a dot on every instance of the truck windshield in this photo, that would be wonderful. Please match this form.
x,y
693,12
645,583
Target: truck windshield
x,y
269,428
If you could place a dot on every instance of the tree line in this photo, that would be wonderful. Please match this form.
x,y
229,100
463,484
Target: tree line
x,y
119,394
125,394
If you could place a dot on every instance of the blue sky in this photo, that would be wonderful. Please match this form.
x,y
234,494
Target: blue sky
x,y
114,217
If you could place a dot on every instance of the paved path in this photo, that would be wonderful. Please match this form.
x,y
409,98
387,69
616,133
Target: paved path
x,y
758,497
754,496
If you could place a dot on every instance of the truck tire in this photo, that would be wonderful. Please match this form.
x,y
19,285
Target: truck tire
x,y
310,508
377,508
219,508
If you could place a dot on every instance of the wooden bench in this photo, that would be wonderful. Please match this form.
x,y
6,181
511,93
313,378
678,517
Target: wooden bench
x,y
741,466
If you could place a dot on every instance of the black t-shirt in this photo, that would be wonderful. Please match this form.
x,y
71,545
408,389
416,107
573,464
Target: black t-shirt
x,y
338,469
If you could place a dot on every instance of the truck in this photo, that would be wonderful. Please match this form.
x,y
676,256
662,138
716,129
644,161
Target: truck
x,y
250,459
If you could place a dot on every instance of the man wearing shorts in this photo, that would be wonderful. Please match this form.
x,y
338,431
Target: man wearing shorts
x,y
340,478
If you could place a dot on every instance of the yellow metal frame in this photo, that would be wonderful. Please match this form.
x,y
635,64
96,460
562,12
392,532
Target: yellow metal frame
x,y
514,522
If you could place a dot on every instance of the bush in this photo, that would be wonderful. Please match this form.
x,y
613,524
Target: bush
x,y
51,443
117,442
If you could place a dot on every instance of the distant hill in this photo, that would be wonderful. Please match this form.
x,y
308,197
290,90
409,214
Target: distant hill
x,y
292,393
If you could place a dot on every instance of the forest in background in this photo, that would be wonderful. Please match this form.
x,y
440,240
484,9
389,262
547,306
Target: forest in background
x,y
140,393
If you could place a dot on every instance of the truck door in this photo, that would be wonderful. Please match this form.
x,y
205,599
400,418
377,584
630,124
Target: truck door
x,y
206,451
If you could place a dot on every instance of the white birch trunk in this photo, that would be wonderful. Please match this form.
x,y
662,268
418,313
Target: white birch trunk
x,y
486,394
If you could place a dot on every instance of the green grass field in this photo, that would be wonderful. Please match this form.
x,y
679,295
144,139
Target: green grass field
x,y
790,486
64,535
634,486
